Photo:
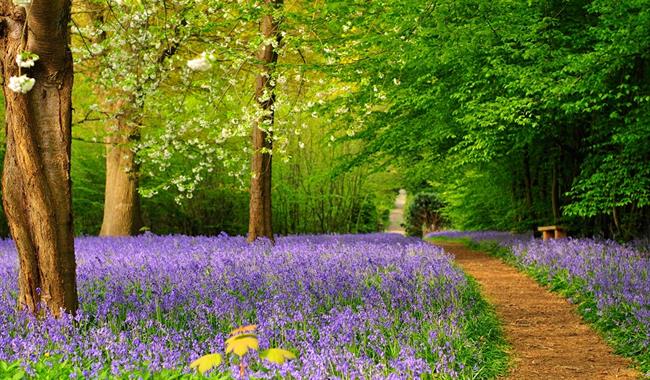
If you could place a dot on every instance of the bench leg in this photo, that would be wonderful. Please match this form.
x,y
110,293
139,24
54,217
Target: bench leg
x,y
547,235
559,234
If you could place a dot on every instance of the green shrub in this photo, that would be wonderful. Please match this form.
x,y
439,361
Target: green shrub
x,y
424,214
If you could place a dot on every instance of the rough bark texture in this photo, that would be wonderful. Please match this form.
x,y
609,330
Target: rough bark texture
x,y
36,178
122,216
260,222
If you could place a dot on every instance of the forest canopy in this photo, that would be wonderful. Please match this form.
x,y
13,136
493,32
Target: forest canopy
x,y
516,114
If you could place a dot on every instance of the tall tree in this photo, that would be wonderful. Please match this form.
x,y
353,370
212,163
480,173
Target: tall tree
x,y
260,222
122,216
36,178
129,59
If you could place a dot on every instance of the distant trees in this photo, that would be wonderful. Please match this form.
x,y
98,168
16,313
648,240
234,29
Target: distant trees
x,y
38,76
517,114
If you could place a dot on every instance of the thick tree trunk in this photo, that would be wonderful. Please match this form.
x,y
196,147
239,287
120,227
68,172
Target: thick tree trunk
x,y
36,178
122,216
261,220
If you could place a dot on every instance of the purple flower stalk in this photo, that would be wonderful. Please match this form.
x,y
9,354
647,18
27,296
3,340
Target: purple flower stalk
x,y
369,306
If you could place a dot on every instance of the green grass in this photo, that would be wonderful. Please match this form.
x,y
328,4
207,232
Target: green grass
x,y
444,239
484,329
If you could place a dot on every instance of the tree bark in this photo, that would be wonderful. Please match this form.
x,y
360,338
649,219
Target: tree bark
x,y
122,212
122,216
36,179
528,183
555,194
260,211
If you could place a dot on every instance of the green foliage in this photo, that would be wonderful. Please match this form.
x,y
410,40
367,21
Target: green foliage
x,y
310,196
518,114
423,214
4,228
515,114
88,182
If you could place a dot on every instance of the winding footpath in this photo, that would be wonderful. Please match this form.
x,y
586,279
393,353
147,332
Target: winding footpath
x,y
547,336
548,339
397,214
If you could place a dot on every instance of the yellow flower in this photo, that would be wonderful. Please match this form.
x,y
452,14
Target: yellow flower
x,y
206,363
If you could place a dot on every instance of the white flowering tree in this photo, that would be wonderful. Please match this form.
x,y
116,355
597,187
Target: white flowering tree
x,y
128,49
260,208
38,75
239,52
198,71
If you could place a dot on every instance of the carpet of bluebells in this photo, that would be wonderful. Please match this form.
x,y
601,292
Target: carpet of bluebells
x,y
351,307
609,281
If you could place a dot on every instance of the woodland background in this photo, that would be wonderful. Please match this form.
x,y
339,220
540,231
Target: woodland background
x,y
514,114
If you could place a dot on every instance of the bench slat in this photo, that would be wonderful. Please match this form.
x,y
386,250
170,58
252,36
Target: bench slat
x,y
550,228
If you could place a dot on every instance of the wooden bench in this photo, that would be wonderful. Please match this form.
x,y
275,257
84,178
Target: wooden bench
x,y
552,232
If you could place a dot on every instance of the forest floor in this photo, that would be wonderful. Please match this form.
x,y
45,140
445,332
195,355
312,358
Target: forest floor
x,y
547,336
397,214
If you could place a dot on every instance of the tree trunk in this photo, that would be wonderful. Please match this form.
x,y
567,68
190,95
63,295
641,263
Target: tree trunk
x,y
122,213
36,178
261,221
528,183
555,194
122,216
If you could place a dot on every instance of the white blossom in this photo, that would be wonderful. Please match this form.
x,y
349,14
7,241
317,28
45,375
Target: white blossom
x,y
22,84
26,59
202,63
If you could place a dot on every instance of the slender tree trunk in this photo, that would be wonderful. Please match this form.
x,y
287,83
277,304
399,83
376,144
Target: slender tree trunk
x,y
555,194
122,216
528,183
261,219
36,178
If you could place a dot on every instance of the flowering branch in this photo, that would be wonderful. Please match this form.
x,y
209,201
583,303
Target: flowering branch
x,y
22,83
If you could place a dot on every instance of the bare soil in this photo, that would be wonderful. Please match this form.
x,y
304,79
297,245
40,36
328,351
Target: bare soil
x,y
547,336
397,214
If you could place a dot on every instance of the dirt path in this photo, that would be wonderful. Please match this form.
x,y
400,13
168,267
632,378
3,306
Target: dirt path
x,y
548,338
397,214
